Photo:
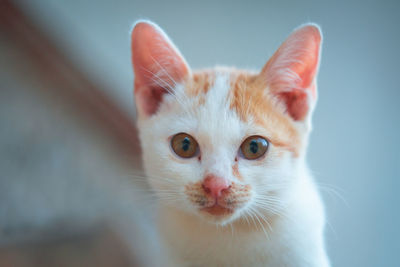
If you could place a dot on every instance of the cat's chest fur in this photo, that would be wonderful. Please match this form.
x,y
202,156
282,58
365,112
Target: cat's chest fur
x,y
224,151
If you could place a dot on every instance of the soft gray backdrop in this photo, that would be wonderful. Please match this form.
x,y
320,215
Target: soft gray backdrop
x,y
354,151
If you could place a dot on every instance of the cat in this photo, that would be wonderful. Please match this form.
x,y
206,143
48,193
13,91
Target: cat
x,y
224,151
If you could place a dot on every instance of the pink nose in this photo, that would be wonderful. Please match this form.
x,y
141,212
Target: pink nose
x,y
214,185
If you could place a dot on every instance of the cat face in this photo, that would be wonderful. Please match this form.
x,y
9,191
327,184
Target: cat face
x,y
221,143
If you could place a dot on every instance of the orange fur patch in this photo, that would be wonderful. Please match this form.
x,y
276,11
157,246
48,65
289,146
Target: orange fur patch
x,y
236,173
199,84
250,98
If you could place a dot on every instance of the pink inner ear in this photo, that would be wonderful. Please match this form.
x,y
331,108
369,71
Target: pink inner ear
x,y
148,100
297,104
157,65
291,71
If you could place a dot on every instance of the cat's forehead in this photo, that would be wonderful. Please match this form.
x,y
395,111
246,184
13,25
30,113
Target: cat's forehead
x,y
235,103
216,122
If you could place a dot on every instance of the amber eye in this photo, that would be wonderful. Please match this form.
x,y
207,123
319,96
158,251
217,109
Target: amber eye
x,y
254,147
184,145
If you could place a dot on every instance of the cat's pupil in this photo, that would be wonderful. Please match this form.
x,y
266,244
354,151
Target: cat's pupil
x,y
253,146
185,144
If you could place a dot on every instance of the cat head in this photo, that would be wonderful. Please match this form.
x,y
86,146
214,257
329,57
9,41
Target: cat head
x,y
224,143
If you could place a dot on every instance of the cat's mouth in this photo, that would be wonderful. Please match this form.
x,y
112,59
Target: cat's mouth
x,y
217,210
218,207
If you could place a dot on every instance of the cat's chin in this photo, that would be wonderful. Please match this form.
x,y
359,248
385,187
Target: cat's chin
x,y
217,214
217,210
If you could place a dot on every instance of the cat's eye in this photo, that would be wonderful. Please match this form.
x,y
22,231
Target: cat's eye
x,y
254,147
184,145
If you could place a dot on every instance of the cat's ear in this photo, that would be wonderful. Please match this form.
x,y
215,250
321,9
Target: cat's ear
x,y
291,72
158,66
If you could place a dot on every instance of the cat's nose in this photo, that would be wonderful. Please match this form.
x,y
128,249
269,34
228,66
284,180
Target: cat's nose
x,y
215,185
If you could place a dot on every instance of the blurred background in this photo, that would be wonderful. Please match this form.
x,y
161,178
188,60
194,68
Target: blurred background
x,y
71,185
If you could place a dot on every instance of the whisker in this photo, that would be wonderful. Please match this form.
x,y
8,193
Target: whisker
x,y
166,86
263,218
251,210
333,191
170,88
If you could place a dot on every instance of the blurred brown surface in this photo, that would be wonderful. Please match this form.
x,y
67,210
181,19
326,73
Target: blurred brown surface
x,y
68,160
65,79
102,248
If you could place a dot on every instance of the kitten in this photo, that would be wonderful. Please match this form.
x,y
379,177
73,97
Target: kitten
x,y
224,150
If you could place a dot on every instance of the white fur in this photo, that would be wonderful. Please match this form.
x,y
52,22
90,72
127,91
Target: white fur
x,y
295,237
